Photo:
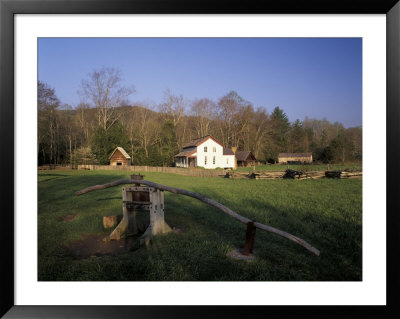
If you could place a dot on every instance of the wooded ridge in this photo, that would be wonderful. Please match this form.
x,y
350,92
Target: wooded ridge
x,y
153,134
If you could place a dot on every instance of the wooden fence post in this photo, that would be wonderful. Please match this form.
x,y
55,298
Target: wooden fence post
x,y
250,235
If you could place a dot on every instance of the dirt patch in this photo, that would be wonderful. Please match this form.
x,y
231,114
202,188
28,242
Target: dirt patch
x,y
238,254
94,245
177,230
67,218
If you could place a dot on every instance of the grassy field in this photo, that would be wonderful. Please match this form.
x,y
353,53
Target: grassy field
x,y
326,212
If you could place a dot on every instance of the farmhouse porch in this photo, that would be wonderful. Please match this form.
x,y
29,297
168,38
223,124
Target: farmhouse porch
x,y
186,159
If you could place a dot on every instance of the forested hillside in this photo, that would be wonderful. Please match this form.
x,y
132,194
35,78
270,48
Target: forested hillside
x,y
153,134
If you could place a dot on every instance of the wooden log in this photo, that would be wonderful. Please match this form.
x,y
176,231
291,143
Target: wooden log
x,y
110,221
120,230
209,201
350,174
254,175
266,175
289,236
103,186
290,173
333,174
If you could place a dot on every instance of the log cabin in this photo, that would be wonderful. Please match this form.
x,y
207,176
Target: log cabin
x,y
119,157
245,158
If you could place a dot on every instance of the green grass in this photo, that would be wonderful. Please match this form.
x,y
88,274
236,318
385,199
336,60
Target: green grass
x,y
325,212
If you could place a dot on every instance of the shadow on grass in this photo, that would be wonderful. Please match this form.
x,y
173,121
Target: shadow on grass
x,y
52,174
66,190
109,198
199,253
339,240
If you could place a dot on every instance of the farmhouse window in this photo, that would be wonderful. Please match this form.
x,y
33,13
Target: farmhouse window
x,y
227,160
119,163
214,160
205,149
205,160
214,149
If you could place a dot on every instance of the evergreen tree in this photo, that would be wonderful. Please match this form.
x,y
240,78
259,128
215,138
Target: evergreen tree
x,y
342,149
168,147
103,141
280,132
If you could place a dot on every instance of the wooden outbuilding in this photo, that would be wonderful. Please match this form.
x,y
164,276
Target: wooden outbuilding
x,y
119,157
294,158
245,158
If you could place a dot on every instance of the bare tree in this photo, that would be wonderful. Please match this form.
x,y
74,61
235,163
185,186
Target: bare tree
x,y
47,120
173,107
204,110
148,128
242,122
233,118
82,115
105,90
259,131
143,126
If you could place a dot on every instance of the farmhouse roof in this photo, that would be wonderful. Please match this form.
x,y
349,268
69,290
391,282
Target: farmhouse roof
x,y
123,152
185,153
201,140
294,154
244,155
228,151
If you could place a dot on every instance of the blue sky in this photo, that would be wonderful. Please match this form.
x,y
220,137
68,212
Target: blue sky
x,y
314,77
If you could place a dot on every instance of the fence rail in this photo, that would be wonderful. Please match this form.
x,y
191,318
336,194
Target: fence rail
x,y
54,167
157,169
198,172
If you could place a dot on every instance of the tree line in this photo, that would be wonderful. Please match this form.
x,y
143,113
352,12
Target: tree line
x,y
153,134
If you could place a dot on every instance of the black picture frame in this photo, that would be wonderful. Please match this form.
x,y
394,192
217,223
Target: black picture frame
x,y
8,8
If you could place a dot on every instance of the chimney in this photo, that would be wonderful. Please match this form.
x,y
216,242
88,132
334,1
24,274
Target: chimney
x,y
234,149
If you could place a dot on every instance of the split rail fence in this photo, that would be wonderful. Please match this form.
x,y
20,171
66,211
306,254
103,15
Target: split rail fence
x,y
198,172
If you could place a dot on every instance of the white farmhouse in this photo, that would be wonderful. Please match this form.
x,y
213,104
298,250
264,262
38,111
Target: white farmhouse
x,y
205,152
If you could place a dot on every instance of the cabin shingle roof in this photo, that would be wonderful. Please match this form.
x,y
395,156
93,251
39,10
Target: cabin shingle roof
x,y
123,152
244,155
